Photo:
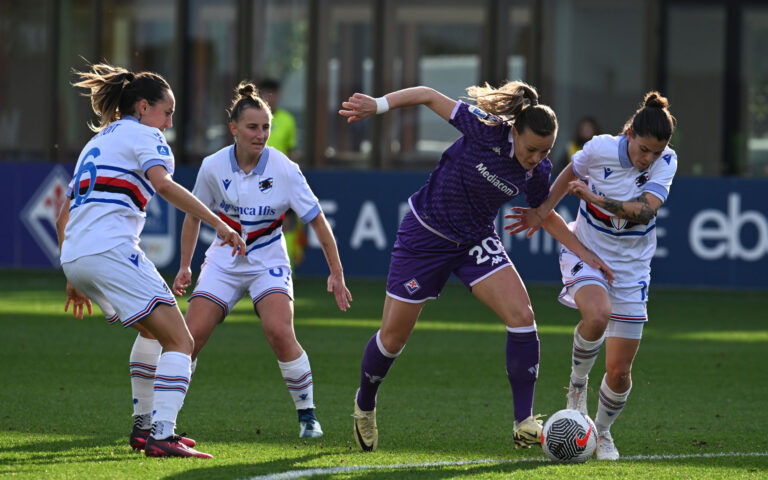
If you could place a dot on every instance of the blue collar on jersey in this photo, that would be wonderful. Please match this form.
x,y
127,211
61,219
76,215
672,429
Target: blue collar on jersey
x,y
130,117
260,167
624,160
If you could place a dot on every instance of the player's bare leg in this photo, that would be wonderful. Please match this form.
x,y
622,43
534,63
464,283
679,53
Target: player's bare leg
x,y
202,317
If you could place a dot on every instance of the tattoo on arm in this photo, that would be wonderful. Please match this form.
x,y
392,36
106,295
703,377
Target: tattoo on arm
x,y
643,214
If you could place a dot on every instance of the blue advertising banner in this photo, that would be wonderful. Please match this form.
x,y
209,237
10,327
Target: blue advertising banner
x,y
711,232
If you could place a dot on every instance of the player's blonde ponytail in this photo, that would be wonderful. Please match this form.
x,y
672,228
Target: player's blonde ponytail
x,y
516,101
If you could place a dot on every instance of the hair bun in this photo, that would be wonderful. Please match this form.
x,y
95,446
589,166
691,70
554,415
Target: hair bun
x,y
655,100
246,89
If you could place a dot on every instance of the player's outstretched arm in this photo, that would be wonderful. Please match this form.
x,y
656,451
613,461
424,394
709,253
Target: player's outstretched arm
x,y
639,210
556,226
189,233
532,218
336,282
183,199
360,106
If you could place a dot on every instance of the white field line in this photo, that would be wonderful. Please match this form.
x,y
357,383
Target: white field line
x,y
311,472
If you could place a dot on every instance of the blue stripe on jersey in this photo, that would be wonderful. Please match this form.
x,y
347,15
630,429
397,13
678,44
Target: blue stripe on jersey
x,y
311,214
129,172
245,222
103,200
633,233
271,240
659,190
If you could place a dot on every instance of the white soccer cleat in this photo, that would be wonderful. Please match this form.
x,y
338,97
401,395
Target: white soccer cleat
x,y
365,430
606,449
577,398
528,432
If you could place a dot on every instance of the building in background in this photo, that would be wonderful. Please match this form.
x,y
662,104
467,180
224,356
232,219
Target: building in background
x,y
587,57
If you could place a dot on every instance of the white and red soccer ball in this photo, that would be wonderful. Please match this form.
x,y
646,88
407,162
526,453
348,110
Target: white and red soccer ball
x,y
569,436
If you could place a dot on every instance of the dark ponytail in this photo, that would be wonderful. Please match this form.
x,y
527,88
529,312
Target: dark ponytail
x,y
652,119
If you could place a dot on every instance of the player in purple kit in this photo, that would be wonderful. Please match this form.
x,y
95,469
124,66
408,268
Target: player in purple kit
x,y
450,229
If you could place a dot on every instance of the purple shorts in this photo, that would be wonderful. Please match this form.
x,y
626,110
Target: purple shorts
x,y
423,261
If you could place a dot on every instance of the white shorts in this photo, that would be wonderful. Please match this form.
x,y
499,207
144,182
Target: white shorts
x,y
628,300
225,289
122,282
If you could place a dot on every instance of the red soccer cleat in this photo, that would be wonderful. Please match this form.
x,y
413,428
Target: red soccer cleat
x,y
139,438
171,447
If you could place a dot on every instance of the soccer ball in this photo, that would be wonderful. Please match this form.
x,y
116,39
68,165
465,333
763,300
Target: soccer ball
x,y
569,436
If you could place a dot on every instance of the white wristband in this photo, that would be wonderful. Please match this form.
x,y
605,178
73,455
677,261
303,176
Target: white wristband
x,y
382,105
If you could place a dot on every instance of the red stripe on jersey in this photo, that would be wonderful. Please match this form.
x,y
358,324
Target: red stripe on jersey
x,y
114,185
597,213
233,224
272,226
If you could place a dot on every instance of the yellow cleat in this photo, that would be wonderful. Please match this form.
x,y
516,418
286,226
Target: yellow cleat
x,y
366,433
528,432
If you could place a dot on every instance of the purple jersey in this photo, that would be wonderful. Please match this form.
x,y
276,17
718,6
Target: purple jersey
x,y
476,176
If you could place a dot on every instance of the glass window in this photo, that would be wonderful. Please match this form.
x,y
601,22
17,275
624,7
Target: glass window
x,y
140,35
279,52
26,61
211,77
695,78
515,40
345,67
438,46
592,57
754,73
75,50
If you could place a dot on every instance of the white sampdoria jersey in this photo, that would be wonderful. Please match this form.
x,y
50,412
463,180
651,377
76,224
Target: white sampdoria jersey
x,y
625,246
110,191
254,205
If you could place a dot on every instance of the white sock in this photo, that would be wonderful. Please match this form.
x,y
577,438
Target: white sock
x,y
609,406
583,357
298,378
193,367
142,363
171,383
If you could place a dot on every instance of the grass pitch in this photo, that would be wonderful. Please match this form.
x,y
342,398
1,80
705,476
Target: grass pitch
x,y
697,408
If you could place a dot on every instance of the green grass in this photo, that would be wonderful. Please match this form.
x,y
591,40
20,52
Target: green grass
x,y
700,388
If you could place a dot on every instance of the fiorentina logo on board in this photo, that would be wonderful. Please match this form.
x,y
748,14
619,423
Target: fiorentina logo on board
x,y
41,211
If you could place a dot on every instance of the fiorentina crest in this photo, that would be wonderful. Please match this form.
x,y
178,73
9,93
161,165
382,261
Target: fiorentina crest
x,y
41,211
412,285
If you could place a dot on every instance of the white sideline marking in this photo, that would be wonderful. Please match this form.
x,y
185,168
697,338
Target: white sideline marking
x,y
311,472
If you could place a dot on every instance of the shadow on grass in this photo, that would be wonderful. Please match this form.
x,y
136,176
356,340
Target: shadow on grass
x,y
246,470
50,452
703,467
